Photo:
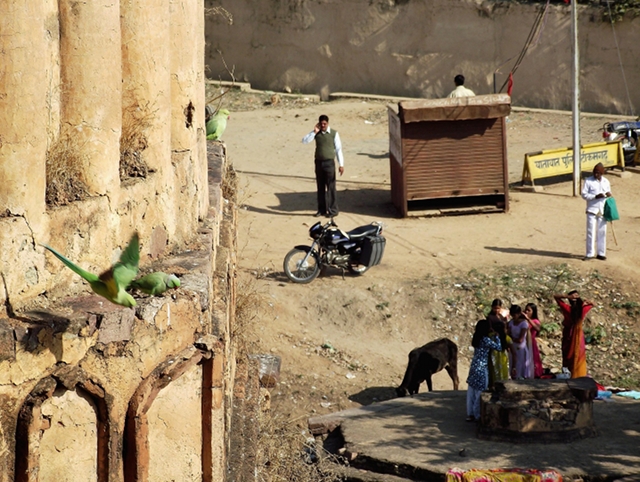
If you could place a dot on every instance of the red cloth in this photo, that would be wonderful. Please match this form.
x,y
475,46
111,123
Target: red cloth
x,y
510,84
574,352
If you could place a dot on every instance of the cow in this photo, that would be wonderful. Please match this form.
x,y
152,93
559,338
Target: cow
x,y
427,360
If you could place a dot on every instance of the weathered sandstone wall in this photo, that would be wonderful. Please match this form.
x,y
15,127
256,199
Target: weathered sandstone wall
x,y
414,48
80,80
93,391
113,92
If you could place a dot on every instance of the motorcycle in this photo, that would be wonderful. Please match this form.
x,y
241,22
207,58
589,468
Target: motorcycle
x,y
625,132
356,251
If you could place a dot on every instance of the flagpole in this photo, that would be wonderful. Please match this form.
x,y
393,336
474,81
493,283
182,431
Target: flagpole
x,y
576,98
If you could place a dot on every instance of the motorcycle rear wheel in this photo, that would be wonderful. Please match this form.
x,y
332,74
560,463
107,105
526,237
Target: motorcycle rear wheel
x,y
298,272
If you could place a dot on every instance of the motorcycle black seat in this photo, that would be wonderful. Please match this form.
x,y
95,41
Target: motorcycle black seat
x,y
363,231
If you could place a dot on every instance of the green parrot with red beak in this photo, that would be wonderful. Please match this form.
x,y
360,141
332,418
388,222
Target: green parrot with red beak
x,y
156,283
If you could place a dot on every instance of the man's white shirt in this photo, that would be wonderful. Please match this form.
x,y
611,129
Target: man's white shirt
x,y
591,188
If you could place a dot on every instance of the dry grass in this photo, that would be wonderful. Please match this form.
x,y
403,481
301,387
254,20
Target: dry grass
x,y
230,184
284,454
250,305
65,179
136,121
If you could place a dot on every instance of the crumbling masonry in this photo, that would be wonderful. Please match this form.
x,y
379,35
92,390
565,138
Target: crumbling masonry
x,y
101,135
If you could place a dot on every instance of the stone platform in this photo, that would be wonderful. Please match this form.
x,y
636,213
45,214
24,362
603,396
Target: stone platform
x,y
420,438
526,411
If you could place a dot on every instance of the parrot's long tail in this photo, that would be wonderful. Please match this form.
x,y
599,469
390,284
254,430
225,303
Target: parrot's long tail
x,y
72,266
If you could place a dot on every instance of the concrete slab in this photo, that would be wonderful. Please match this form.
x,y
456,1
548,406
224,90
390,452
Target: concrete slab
x,y
622,174
426,435
527,188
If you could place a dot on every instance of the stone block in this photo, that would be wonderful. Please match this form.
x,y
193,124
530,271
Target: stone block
x,y
148,308
199,284
158,242
116,325
73,348
7,341
538,411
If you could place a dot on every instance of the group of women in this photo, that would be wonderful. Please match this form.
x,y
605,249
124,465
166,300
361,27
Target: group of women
x,y
505,346
519,356
506,338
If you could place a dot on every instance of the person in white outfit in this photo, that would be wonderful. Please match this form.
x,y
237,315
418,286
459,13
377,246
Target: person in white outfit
x,y
595,191
460,90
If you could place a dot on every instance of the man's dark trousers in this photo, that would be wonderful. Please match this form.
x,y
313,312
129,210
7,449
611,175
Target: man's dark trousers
x,y
326,185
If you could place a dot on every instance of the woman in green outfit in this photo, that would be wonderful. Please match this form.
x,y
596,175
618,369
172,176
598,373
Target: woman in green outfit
x,y
499,359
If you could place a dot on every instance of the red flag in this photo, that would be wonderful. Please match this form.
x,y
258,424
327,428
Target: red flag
x,y
510,84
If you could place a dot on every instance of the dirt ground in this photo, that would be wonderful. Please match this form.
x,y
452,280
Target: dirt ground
x,y
344,341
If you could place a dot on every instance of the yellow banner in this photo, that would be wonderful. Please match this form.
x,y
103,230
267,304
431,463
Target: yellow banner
x,y
558,162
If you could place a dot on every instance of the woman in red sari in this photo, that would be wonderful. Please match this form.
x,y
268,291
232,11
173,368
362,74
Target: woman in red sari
x,y
574,353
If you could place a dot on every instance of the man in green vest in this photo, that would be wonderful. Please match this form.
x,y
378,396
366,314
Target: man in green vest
x,y
328,147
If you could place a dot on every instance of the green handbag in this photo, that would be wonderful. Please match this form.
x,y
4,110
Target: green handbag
x,y
610,210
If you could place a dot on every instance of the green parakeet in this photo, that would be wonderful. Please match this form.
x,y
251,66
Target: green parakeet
x,y
112,283
217,124
155,283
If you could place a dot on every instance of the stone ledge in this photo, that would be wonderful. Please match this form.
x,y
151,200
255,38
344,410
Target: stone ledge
x,y
245,421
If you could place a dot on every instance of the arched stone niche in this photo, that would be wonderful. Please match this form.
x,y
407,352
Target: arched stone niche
x,y
168,425
63,431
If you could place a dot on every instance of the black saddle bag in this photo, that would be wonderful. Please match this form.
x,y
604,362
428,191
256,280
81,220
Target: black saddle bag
x,y
372,250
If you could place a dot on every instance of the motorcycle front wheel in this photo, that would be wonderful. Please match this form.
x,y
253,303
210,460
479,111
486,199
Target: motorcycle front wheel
x,y
301,270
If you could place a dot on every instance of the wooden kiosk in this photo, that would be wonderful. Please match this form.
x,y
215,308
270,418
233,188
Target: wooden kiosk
x,y
451,154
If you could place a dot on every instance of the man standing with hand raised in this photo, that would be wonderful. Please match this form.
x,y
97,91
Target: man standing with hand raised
x,y
328,147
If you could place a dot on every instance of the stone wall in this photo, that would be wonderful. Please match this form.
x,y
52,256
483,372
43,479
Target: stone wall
x,y
113,92
90,390
85,88
538,411
414,49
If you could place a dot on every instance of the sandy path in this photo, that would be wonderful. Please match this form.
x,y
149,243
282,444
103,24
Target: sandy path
x,y
277,195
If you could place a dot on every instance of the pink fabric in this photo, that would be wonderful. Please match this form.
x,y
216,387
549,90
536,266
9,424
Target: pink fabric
x,y
538,369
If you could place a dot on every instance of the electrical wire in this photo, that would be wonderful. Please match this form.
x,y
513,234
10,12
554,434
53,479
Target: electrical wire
x,y
615,39
532,40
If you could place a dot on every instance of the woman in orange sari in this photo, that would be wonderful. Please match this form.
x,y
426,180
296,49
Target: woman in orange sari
x,y
574,353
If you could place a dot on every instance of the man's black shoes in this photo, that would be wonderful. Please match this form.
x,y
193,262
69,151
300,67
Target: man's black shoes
x,y
318,214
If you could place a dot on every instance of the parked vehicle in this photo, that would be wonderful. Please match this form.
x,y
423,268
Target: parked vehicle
x,y
356,251
625,132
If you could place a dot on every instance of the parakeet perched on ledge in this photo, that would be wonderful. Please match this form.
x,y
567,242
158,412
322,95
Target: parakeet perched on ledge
x,y
155,283
217,124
